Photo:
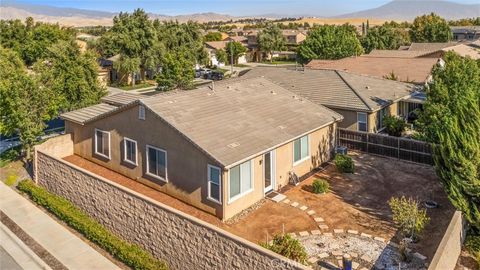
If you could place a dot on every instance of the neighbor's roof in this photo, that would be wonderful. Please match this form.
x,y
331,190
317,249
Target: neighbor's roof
x,y
236,38
87,114
415,70
240,118
397,54
121,98
465,50
436,46
217,45
336,89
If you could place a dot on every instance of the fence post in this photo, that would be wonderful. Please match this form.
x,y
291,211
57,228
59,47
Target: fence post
x,y
368,141
398,148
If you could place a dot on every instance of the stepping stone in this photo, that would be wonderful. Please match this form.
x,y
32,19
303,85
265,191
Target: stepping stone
x,y
393,244
340,263
287,201
366,258
316,232
303,208
365,235
420,256
354,255
338,231
323,255
313,260
379,239
328,234
310,212
304,233
319,219
323,227
279,198
355,265
294,204
337,253
352,232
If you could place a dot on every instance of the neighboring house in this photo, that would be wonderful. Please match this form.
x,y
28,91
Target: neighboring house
x,y
461,33
404,54
363,101
241,39
293,39
113,76
212,48
415,70
434,50
220,148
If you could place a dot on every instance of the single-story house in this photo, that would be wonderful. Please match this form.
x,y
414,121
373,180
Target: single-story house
x,y
363,101
214,46
220,148
414,70
465,32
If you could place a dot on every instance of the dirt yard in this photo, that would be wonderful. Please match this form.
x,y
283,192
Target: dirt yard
x,y
356,202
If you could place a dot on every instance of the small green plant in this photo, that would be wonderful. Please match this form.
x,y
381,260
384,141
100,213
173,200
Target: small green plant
x,y
344,163
287,246
130,254
320,186
391,76
9,156
410,219
394,126
472,244
11,180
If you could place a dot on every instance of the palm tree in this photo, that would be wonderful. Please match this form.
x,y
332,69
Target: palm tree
x,y
128,65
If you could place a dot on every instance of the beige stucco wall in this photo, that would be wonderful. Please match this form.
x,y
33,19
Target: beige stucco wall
x,y
183,241
186,164
321,145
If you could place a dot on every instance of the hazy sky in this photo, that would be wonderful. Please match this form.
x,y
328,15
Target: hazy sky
x,y
233,7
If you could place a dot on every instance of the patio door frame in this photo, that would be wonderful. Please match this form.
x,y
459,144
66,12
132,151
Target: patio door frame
x,y
272,171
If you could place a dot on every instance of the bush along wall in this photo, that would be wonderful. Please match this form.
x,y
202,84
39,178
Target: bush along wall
x,y
130,254
344,163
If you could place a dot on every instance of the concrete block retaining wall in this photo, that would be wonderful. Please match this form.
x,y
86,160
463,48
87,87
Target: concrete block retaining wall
x,y
183,241
450,247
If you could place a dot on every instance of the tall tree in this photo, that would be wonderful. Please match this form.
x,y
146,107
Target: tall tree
x,y
430,28
71,75
271,39
177,72
451,122
330,42
385,38
24,105
234,51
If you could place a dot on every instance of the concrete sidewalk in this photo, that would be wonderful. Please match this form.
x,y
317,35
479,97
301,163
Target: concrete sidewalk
x,y
66,247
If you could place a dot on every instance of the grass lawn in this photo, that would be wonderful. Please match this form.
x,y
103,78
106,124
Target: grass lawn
x,y
241,65
137,86
279,62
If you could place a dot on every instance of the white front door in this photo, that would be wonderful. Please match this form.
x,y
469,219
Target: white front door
x,y
269,171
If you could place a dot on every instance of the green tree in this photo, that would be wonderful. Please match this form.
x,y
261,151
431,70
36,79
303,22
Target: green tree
x,y
72,76
271,39
24,104
385,38
235,49
430,28
221,56
127,67
213,36
177,72
330,42
451,122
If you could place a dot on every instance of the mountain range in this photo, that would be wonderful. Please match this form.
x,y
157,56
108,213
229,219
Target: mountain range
x,y
399,10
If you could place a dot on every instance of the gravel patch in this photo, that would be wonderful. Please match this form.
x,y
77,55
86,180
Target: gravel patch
x,y
245,212
373,254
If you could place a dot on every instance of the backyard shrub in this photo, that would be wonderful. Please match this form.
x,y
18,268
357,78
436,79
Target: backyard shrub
x,y
11,180
472,244
394,126
344,163
410,219
130,254
287,246
320,186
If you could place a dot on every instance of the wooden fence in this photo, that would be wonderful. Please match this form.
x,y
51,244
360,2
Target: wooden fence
x,y
384,145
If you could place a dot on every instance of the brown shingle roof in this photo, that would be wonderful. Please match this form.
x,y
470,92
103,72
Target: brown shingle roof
x,y
337,89
240,118
397,54
415,70
465,50
217,45
432,47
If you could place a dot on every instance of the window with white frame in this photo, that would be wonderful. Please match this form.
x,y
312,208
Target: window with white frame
x,y
362,122
240,180
214,183
141,112
157,163
130,151
102,143
300,149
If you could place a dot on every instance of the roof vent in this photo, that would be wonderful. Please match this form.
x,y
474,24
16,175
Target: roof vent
x,y
273,92
367,87
233,145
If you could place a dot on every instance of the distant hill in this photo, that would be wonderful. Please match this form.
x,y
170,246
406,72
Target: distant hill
x,y
82,17
407,10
